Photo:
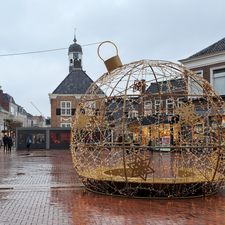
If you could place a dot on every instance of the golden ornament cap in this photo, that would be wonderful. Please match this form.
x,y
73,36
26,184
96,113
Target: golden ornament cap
x,y
113,62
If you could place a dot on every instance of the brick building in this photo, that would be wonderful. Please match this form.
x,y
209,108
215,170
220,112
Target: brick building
x,y
65,98
209,63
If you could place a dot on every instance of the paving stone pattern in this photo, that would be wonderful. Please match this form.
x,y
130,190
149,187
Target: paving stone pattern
x,y
42,188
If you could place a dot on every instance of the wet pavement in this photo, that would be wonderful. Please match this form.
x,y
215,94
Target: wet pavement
x,y
42,188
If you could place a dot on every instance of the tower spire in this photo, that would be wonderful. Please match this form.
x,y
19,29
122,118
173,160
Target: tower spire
x,y
75,55
75,39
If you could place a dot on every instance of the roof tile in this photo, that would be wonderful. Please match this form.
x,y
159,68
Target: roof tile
x,y
217,47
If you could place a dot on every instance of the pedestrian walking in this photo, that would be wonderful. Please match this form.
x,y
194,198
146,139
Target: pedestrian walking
x,y
28,143
9,143
5,142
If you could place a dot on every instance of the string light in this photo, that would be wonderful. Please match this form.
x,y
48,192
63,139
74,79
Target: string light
x,y
145,130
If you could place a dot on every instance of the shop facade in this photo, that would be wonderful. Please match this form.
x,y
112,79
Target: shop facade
x,y
43,138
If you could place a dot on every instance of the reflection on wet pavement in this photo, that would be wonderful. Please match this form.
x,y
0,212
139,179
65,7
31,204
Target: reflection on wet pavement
x,y
89,208
43,188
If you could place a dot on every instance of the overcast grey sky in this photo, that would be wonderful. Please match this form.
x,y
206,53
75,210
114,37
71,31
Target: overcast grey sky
x,y
142,29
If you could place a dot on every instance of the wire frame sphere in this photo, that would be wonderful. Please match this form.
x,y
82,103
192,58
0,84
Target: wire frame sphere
x,y
150,129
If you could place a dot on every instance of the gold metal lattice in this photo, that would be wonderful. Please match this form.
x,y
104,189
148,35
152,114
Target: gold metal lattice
x,y
150,129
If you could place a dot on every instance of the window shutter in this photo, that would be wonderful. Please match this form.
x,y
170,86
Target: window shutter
x,y
58,111
73,111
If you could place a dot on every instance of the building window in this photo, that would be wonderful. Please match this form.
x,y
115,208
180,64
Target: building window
x,y
147,108
12,110
218,80
195,85
97,112
65,108
90,107
133,114
169,106
158,103
65,124
180,101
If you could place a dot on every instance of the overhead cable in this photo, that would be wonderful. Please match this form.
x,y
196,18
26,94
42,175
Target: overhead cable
x,y
43,51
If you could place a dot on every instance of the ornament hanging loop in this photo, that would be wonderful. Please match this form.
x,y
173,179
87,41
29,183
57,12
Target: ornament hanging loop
x,y
113,62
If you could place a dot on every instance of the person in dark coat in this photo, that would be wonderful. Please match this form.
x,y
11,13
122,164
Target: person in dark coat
x,y
10,143
150,145
5,142
28,143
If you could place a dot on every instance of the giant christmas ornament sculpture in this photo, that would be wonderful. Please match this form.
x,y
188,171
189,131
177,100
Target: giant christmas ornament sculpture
x,y
149,129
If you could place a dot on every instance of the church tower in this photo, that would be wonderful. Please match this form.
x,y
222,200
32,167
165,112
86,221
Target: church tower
x,y
65,98
75,56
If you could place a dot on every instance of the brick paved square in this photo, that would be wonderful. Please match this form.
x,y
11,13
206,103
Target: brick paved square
x,y
42,188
